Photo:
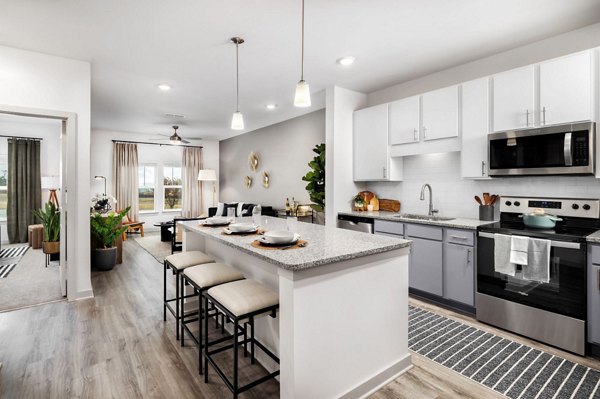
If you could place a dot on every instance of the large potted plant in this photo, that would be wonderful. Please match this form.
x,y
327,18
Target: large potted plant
x,y
49,215
107,228
316,182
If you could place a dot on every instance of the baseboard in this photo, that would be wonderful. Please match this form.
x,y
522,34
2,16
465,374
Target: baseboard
x,y
381,379
81,295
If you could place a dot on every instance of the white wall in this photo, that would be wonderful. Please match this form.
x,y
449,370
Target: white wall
x,y
47,129
160,156
453,196
284,150
339,182
35,80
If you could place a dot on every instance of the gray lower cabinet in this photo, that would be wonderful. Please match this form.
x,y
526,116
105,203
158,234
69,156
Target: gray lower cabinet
x,y
426,266
593,294
459,273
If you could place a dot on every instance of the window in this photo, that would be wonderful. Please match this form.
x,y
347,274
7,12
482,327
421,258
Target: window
x,y
146,185
3,190
172,188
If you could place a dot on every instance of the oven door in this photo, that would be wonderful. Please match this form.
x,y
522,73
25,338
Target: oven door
x,y
565,294
552,150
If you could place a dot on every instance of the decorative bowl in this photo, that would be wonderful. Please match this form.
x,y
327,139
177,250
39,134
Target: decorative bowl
x,y
279,237
217,220
242,227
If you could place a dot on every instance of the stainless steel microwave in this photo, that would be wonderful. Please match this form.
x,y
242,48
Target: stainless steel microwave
x,y
551,150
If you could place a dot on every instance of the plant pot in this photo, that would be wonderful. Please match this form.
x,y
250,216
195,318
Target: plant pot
x,y
319,218
105,258
51,247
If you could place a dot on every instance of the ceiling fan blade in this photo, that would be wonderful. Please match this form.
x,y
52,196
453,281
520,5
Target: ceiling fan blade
x,y
185,141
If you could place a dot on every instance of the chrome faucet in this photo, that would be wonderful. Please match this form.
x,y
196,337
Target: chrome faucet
x,y
431,210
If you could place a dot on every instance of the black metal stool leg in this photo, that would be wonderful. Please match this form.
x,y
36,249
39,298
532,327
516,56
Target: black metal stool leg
x,y
205,346
251,339
165,291
235,358
177,304
200,337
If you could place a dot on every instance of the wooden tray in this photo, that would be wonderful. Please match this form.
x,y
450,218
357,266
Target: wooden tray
x,y
257,244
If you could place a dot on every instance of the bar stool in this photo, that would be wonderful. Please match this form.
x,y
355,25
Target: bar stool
x,y
202,278
241,301
178,263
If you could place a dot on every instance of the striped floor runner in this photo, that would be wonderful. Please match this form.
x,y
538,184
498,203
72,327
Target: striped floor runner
x,y
6,269
510,368
13,252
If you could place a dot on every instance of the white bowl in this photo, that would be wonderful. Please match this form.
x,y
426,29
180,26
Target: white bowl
x,y
279,237
242,227
216,220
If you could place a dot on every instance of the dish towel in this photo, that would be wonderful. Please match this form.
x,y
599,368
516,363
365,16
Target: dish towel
x,y
519,248
502,263
538,265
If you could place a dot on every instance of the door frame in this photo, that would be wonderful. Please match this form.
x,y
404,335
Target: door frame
x,y
68,142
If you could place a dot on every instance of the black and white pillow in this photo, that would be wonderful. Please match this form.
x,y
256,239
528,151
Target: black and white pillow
x,y
247,209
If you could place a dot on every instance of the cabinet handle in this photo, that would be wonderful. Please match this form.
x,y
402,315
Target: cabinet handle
x,y
459,237
544,115
527,116
482,168
598,279
415,131
468,256
424,132
384,173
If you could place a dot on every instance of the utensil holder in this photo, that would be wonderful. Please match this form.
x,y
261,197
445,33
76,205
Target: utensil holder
x,y
486,212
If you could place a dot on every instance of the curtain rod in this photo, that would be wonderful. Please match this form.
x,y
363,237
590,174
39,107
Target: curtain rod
x,y
19,137
160,144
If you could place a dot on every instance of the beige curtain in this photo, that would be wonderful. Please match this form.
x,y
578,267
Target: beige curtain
x,y
192,188
125,178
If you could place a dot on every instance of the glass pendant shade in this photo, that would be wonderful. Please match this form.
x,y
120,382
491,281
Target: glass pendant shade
x,y
237,121
302,97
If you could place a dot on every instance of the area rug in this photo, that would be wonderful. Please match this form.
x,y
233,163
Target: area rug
x,y
510,368
154,246
13,252
6,269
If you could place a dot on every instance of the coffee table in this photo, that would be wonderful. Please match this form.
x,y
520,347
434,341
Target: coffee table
x,y
166,232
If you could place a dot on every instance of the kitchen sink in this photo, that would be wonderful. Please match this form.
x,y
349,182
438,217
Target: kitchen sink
x,y
423,217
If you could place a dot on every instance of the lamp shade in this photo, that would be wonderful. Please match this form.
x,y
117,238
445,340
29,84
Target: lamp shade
x,y
237,121
207,175
302,97
50,182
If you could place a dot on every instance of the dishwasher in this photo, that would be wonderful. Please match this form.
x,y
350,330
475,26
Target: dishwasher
x,y
356,223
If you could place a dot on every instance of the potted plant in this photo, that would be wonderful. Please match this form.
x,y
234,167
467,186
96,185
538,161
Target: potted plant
x,y
49,215
107,228
359,202
316,182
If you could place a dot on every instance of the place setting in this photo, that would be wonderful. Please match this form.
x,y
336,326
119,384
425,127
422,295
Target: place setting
x,y
279,240
215,221
242,229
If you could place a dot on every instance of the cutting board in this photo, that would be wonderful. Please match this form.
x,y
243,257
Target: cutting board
x,y
389,205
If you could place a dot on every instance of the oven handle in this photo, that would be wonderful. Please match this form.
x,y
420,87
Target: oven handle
x,y
556,244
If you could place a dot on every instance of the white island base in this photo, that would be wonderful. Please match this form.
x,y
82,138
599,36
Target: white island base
x,y
342,328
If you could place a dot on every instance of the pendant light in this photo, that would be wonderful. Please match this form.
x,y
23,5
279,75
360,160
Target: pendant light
x,y
237,121
302,97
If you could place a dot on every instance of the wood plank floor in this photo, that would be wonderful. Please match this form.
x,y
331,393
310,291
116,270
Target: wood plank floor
x,y
117,346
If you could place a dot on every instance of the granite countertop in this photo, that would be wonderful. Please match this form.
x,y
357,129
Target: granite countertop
x,y
326,245
594,238
458,223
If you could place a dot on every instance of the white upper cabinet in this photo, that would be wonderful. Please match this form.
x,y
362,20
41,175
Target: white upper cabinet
x,y
514,99
566,89
475,127
371,146
404,121
440,114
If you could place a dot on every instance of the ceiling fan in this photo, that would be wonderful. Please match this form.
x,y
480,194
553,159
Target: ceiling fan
x,y
175,138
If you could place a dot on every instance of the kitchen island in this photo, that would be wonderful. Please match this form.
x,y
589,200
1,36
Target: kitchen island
x,y
342,327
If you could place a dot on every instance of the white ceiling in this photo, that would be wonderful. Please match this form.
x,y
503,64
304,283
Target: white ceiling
x,y
135,44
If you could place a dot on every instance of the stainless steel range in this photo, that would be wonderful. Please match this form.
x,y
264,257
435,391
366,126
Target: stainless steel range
x,y
552,307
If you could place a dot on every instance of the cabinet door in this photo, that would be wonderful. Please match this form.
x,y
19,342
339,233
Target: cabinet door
x,y
440,113
404,121
475,126
425,270
371,143
594,303
514,99
566,89
459,281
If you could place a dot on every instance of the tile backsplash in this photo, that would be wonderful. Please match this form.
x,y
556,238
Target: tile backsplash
x,y
453,196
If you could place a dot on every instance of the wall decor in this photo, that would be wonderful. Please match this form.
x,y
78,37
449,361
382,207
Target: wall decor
x,y
266,179
253,161
248,180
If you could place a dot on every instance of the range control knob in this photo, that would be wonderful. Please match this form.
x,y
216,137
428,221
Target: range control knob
x,y
575,206
517,203
586,207
508,203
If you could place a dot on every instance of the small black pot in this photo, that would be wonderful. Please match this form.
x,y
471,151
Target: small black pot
x,y
105,258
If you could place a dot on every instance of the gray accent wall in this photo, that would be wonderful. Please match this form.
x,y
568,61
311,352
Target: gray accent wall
x,y
283,149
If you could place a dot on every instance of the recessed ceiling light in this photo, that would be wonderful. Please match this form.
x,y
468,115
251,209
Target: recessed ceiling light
x,y
345,61
271,106
164,87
